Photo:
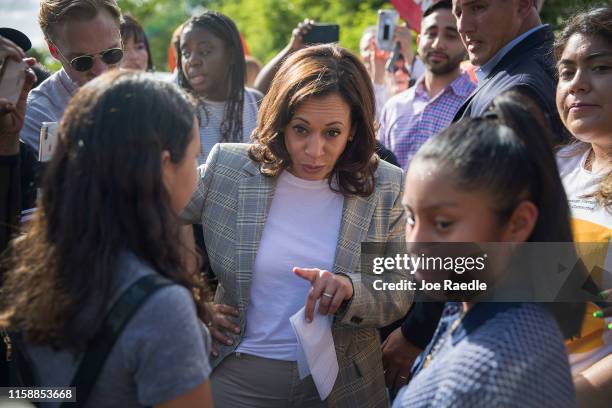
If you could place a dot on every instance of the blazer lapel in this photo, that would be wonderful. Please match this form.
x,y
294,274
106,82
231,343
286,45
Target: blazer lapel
x,y
255,193
356,216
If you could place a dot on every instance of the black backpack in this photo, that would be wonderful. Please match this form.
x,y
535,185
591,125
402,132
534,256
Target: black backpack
x,y
16,369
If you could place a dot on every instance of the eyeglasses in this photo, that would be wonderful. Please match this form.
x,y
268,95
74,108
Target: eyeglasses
x,y
85,62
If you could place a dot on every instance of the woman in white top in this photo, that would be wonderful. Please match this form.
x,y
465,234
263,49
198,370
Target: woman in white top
x,y
284,219
211,66
584,101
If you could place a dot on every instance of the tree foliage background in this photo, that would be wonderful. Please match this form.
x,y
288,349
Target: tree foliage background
x,y
267,24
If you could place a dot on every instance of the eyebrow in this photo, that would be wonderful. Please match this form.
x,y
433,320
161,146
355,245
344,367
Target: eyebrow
x,y
435,27
589,57
598,55
203,42
433,206
466,4
73,55
336,122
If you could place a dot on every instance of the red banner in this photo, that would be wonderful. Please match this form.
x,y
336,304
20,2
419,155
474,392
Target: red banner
x,y
411,11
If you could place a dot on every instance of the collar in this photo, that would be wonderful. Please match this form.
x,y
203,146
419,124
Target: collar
x,y
70,86
487,68
478,315
419,87
461,86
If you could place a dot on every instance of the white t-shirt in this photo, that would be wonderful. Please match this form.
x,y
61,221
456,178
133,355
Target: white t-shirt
x,y
590,223
302,229
211,117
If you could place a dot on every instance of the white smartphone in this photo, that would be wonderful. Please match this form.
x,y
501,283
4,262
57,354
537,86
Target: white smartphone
x,y
12,77
385,29
48,141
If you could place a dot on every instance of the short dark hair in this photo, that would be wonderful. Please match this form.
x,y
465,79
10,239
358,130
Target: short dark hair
x,y
442,4
319,71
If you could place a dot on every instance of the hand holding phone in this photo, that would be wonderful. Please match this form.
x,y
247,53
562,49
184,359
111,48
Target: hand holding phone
x,y
48,141
322,34
385,29
9,49
12,77
13,96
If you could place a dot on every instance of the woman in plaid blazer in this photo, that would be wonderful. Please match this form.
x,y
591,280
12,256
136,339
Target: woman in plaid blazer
x,y
302,197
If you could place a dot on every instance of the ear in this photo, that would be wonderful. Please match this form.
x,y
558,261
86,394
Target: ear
x,y
521,223
52,50
525,7
418,40
352,134
167,170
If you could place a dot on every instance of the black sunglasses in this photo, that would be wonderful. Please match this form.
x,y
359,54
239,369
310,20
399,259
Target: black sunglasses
x,y
85,62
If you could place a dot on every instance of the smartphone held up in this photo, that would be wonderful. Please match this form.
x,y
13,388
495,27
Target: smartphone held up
x,y
321,33
385,29
12,78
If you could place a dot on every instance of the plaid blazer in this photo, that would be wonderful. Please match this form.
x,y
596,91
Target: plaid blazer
x,y
232,201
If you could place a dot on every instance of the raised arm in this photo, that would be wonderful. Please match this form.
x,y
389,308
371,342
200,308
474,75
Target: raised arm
x,y
266,75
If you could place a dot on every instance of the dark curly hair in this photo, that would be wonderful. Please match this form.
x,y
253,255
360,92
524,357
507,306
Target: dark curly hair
x,y
594,23
319,71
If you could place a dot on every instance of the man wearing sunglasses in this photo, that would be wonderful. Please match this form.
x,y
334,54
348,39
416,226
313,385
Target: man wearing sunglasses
x,y
84,36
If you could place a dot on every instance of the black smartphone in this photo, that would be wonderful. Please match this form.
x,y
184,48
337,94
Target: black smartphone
x,y
322,34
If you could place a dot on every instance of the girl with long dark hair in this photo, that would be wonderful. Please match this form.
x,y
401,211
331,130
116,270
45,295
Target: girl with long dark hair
x,y
492,179
211,66
123,169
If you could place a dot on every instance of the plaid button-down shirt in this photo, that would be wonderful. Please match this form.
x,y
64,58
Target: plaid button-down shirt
x,y
411,117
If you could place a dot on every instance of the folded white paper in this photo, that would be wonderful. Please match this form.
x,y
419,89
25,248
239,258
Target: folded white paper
x,y
316,351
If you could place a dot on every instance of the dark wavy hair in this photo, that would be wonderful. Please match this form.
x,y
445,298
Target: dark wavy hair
x,y
594,23
131,28
507,154
103,196
311,72
225,29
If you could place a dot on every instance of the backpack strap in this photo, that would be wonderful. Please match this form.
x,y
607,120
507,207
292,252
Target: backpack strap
x,y
119,315
15,364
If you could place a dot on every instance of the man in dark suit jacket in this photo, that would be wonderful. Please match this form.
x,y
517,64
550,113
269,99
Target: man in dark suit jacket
x,y
513,49
526,63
